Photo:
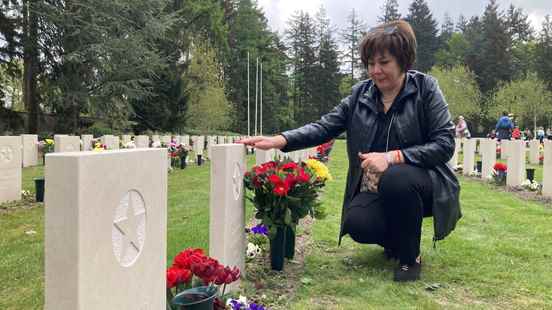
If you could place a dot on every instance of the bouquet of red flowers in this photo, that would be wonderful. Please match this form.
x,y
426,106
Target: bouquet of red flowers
x,y
207,271
286,191
323,151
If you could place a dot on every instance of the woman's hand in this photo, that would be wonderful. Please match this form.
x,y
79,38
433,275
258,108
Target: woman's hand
x,y
374,162
265,143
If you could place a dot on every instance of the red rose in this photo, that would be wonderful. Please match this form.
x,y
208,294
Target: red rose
x,y
184,275
290,165
303,177
275,179
290,180
172,277
185,258
280,190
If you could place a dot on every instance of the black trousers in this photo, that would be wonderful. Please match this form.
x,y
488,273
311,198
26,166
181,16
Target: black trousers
x,y
393,217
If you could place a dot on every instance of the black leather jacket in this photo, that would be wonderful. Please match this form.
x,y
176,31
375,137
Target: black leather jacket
x,y
425,130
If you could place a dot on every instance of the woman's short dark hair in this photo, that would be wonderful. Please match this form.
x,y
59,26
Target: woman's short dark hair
x,y
397,37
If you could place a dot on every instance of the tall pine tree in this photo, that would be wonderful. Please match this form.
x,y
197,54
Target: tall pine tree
x,y
390,11
425,27
543,52
350,37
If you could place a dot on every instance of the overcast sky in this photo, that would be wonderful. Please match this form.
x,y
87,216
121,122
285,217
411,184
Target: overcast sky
x,y
279,11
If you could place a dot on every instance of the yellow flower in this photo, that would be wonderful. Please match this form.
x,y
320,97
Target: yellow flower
x,y
320,169
49,141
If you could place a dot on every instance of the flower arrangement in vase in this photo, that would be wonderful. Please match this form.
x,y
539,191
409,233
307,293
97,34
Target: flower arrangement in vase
x,y
283,192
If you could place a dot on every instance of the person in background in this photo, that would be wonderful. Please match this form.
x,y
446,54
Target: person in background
x,y
528,134
516,133
400,137
549,133
540,134
504,127
461,129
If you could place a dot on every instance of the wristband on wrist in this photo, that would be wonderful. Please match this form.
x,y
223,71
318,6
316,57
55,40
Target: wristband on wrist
x,y
398,156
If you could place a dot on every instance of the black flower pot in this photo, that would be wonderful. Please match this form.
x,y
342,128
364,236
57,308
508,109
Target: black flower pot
x,y
479,166
199,160
277,249
530,174
39,189
197,298
290,243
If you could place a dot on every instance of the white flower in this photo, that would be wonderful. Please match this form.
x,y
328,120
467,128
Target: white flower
x,y
526,183
243,299
252,250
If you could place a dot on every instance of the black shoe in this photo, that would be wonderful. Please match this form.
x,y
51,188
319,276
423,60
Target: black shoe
x,y
405,273
390,254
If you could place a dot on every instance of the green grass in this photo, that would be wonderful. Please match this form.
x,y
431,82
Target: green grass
x,y
498,257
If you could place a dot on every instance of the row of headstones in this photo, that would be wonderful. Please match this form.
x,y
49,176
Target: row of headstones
x,y
514,151
126,221
22,151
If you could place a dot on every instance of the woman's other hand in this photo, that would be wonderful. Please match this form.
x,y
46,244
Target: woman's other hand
x,y
265,143
374,162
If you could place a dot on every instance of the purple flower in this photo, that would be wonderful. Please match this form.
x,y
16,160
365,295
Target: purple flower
x,y
260,229
254,306
236,305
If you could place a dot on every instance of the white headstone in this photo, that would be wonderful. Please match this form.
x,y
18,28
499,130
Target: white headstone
x,y
105,230
166,140
65,143
185,140
504,148
30,150
199,144
547,169
457,147
227,241
87,142
211,141
142,141
155,138
263,156
125,139
10,168
488,157
111,142
534,152
116,143
516,163
469,156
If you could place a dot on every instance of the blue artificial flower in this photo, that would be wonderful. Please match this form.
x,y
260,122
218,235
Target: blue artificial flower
x,y
260,229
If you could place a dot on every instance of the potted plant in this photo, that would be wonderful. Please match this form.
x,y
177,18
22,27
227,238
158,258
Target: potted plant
x,y
195,279
499,173
283,192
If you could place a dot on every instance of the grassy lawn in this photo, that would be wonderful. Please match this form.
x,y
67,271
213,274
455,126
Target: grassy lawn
x,y
498,257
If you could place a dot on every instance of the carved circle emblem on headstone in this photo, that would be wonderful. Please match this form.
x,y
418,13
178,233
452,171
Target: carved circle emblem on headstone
x,y
6,154
237,181
129,228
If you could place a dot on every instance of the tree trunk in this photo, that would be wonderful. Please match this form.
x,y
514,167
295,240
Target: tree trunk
x,y
30,65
